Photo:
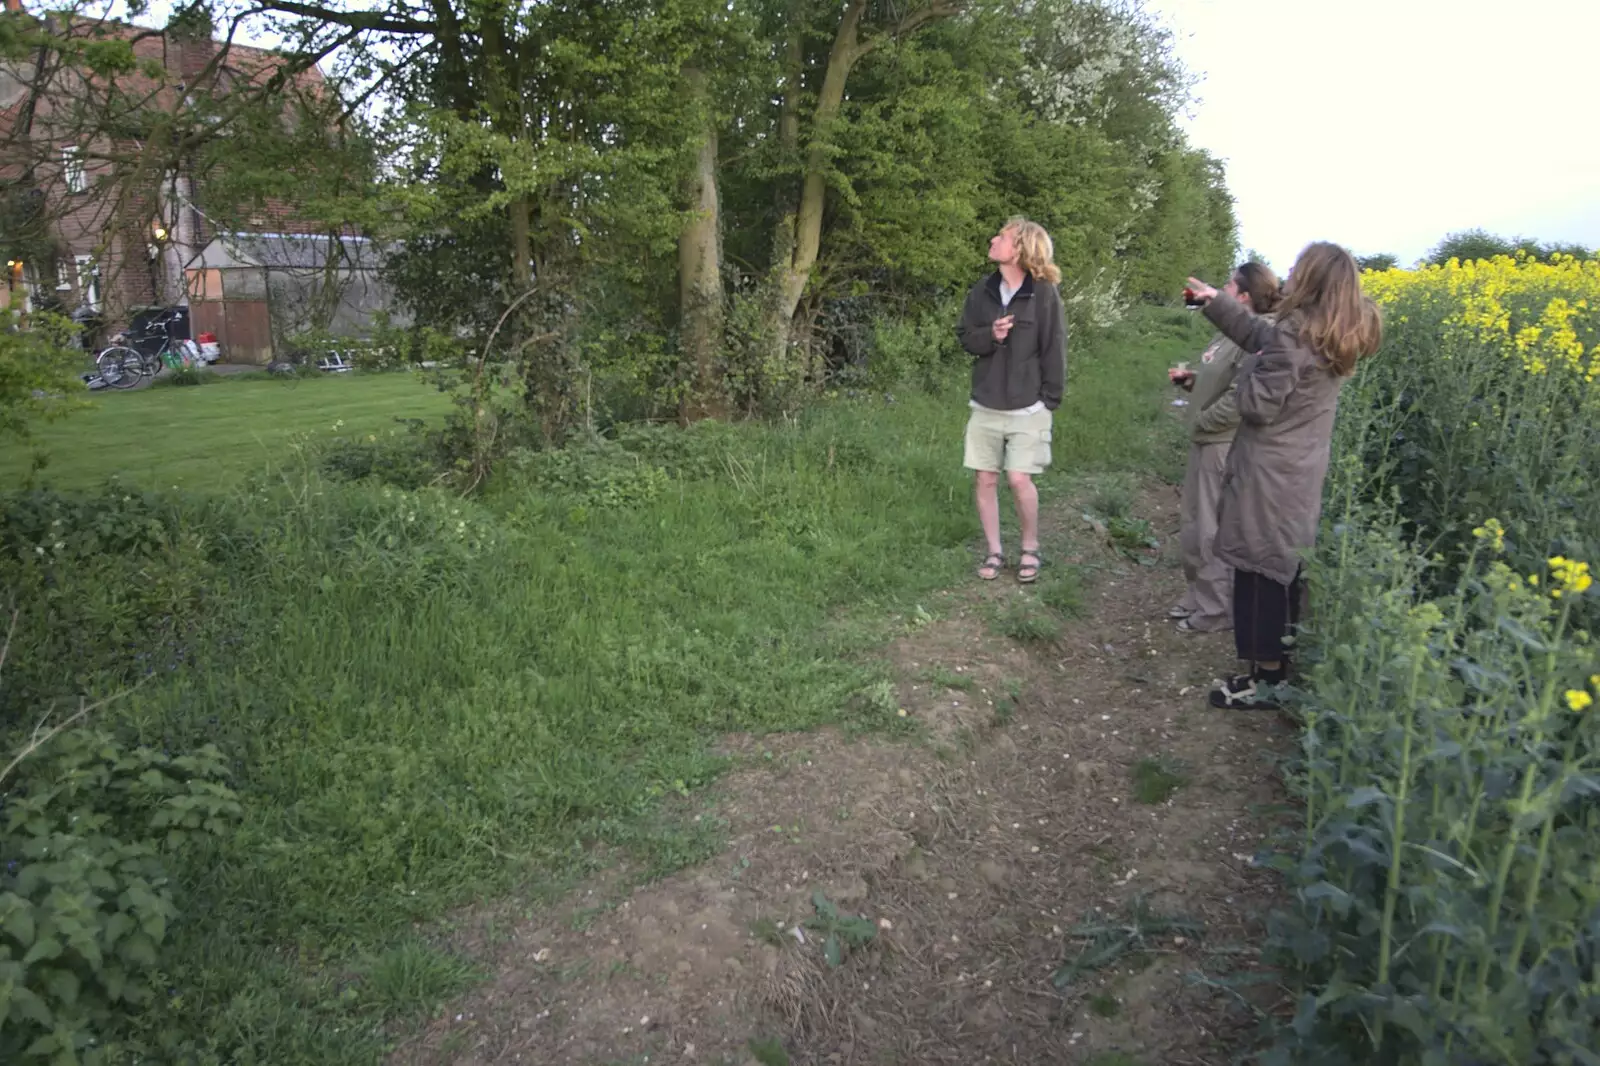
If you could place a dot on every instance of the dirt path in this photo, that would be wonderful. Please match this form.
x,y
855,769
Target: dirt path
x,y
974,858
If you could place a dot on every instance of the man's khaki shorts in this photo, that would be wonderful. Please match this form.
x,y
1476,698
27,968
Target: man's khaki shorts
x,y
998,442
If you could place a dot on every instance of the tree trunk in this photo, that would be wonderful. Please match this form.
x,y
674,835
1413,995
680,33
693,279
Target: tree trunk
x,y
798,235
700,272
502,94
799,232
794,68
521,246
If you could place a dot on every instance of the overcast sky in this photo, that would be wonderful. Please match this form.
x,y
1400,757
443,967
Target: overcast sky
x,y
1385,124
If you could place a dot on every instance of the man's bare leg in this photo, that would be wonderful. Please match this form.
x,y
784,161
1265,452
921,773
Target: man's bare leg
x,y
1026,495
987,495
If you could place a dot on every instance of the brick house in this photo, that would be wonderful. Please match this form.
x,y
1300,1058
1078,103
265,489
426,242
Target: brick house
x,y
98,222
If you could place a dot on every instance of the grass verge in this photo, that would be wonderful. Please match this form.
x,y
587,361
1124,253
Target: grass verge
x,y
426,701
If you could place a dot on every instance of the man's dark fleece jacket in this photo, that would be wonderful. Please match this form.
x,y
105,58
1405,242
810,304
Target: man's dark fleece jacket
x,y
1030,365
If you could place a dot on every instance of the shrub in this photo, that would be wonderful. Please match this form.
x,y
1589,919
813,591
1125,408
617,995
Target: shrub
x,y
1468,245
113,583
594,470
89,830
914,353
696,451
38,367
407,460
1471,244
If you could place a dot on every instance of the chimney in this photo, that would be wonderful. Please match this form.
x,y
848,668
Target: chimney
x,y
189,35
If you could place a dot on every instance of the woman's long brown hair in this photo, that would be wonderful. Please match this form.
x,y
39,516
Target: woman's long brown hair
x,y
1326,310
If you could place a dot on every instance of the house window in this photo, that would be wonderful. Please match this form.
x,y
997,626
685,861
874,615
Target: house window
x,y
72,169
63,276
88,282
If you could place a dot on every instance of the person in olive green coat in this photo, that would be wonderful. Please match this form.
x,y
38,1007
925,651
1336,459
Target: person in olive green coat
x,y
1207,604
1287,394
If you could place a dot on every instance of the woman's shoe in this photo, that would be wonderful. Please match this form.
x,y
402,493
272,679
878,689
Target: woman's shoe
x,y
1244,693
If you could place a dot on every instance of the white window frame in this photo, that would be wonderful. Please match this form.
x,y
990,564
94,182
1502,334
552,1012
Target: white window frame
x,y
72,171
63,276
88,281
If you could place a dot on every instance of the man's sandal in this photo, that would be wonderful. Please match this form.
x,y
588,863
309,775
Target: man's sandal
x,y
991,566
1028,573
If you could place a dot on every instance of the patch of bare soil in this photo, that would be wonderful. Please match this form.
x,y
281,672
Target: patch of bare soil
x,y
1007,841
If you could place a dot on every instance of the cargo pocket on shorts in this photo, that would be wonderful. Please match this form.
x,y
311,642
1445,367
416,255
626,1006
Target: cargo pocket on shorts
x,y
1042,458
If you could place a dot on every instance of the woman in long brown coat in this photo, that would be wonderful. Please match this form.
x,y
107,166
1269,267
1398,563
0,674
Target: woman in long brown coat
x,y
1287,394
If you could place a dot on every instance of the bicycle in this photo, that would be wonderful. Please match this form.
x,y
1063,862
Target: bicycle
x,y
139,352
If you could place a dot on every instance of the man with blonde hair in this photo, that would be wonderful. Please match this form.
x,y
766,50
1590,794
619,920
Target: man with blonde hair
x,y
1015,326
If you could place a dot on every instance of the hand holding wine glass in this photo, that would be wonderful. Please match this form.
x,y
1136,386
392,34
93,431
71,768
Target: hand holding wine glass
x,y
1197,292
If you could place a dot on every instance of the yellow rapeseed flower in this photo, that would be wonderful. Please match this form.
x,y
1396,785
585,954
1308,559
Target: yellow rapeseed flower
x,y
1492,531
1542,315
1570,574
1578,699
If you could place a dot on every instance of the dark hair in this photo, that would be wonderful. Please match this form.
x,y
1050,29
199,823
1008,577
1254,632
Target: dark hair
x,y
1257,281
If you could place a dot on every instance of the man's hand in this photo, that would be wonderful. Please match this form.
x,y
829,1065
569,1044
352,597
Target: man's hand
x,y
1002,328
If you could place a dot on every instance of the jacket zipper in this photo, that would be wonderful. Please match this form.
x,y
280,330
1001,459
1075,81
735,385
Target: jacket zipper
x,y
1005,345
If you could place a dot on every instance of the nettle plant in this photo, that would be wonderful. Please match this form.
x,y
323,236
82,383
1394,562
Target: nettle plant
x,y
90,831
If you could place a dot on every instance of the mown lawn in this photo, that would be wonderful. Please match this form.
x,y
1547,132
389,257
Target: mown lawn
x,y
206,438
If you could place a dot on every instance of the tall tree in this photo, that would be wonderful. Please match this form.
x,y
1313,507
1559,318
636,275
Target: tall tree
x,y
813,94
700,297
628,162
1059,109
1189,229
